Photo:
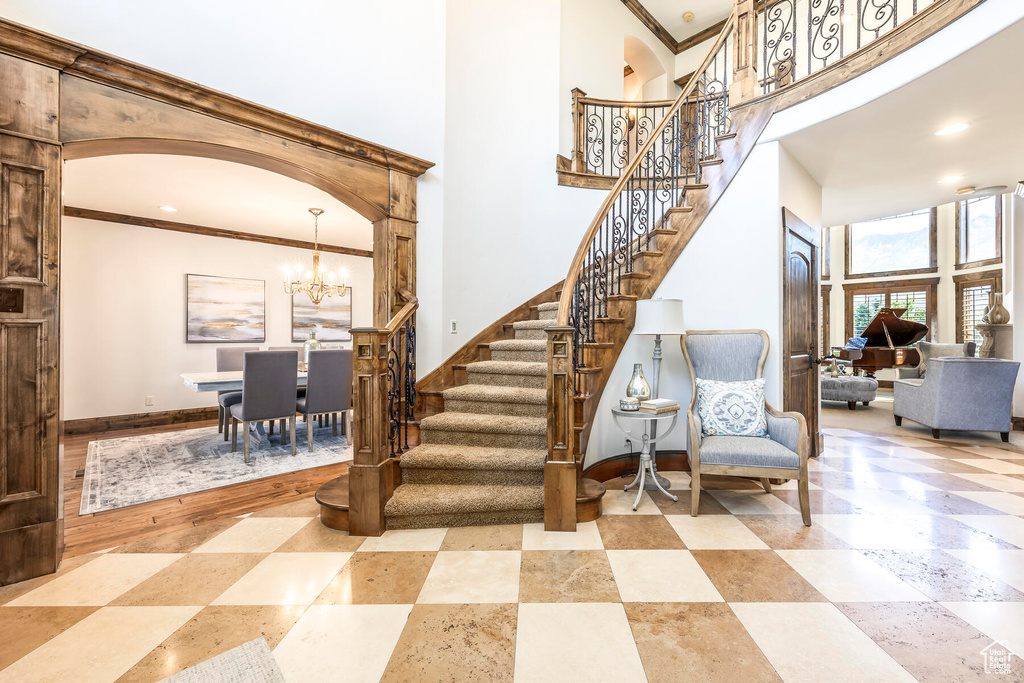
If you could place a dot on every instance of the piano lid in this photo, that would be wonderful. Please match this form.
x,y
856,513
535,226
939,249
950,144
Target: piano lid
x,y
887,328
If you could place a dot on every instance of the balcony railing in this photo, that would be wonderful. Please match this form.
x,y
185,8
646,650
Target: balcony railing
x,y
608,133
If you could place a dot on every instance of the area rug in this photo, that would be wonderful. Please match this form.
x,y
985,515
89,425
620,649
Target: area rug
x,y
251,662
140,469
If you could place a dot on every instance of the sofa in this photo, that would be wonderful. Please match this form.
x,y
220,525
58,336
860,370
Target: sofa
x,y
972,394
930,350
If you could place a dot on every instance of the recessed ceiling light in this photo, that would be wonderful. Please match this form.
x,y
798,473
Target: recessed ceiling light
x,y
170,209
951,179
952,129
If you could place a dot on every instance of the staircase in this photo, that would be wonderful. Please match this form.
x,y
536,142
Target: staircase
x,y
481,460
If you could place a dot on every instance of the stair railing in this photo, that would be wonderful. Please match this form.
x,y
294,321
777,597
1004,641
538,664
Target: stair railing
x,y
607,134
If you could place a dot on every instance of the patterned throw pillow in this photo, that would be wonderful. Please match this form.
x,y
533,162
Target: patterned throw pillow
x,y
731,408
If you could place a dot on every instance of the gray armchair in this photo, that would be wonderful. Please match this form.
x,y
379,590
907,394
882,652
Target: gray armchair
x,y
973,394
732,356
269,380
929,350
328,389
229,360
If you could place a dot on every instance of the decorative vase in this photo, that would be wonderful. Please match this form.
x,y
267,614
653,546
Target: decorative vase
x,y
311,344
638,387
997,313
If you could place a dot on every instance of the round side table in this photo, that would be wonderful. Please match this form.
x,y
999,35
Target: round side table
x,y
646,461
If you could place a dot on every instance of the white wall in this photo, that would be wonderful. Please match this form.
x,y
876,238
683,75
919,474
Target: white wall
x,y
123,311
722,285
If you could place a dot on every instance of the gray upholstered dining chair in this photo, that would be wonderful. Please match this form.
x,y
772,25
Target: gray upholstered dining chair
x,y
732,356
268,393
328,389
229,359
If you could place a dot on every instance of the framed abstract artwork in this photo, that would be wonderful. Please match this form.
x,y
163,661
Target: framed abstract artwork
x,y
222,310
331,320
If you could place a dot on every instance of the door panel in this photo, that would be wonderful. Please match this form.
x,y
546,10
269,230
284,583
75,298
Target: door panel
x,y
800,324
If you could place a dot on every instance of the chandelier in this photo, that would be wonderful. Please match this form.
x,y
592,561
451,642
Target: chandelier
x,y
313,284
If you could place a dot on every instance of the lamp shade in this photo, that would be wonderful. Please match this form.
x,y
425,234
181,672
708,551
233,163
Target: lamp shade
x,y
659,316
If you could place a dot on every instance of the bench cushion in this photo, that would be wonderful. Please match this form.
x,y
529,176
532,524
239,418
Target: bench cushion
x,y
748,451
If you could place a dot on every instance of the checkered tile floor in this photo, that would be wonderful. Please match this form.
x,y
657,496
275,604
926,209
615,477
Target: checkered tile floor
x,y
913,567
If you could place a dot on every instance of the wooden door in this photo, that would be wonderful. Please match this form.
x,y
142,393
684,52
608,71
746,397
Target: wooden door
x,y
800,285
31,510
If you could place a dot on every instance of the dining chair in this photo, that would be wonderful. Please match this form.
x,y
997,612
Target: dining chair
x,y
328,390
268,393
229,359
300,391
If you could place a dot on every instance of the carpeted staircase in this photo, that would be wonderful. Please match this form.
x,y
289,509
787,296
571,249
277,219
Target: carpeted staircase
x,y
481,461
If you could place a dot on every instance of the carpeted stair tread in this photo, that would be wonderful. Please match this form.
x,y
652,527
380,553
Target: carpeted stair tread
x,y
549,306
438,499
440,456
519,345
495,394
531,324
508,367
484,424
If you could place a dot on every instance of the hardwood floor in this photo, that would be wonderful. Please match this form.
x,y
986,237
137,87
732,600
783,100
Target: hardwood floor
x,y
102,530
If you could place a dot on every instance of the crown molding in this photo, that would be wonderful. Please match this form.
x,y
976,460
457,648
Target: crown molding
x,y
662,33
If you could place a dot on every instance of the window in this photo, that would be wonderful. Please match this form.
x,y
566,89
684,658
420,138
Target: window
x,y
972,290
979,231
864,300
896,245
825,316
826,253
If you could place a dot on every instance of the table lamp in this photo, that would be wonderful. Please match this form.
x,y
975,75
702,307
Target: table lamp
x,y
658,317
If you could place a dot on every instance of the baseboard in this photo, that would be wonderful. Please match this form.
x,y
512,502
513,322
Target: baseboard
x,y
885,384
1017,424
618,465
91,425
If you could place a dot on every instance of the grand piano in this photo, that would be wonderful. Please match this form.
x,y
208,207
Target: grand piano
x,y
890,343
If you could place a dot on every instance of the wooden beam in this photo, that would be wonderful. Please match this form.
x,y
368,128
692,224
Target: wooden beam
x,y
627,71
652,24
699,37
139,221
683,80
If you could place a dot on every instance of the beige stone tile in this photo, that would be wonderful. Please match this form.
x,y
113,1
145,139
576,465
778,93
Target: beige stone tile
x,y
316,538
642,532
678,480
1000,482
1005,527
714,531
875,502
101,647
211,632
696,642
1005,565
754,576
943,576
1010,452
504,537
456,643
840,650
99,581
15,590
619,502
475,576
303,507
997,466
586,537
877,531
849,576
786,531
896,451
997,500
997,620
379,578
23,629
285,579
901,465
888,481
254,535
754,502
181,541
602,643
405,540
660,576
341,642
195,579
708,505
566,576
929,641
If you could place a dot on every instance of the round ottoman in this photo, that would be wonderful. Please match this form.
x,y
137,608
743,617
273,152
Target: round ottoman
x,y
849,388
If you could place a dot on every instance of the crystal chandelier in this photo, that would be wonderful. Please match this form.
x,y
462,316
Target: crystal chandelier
x,y
314,285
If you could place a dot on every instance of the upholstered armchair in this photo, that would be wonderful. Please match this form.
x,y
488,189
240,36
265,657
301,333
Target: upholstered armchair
x,y
732,356
930,350
959,394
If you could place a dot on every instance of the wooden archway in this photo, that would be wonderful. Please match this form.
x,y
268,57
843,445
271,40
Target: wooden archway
x,y
59,100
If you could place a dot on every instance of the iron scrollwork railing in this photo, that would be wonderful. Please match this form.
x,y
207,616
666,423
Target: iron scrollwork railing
x,y
654,182
609,133
401,384
800,37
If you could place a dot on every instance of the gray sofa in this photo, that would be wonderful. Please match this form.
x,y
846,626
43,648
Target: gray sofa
x,y
960,394
930,350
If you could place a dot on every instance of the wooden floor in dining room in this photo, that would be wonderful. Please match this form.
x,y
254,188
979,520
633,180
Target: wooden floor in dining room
x,y
102,530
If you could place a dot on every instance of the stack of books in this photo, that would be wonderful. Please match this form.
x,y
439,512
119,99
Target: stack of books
x,y
659,405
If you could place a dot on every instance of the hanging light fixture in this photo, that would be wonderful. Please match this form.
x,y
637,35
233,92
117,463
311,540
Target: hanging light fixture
x,y
314,284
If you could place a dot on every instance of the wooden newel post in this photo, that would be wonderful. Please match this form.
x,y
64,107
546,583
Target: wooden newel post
x,y
560,468
579,132
371,475
744,82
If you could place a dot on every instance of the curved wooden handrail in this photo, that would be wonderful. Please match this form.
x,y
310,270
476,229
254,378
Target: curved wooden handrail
x,y
403,315
627,104
564,304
